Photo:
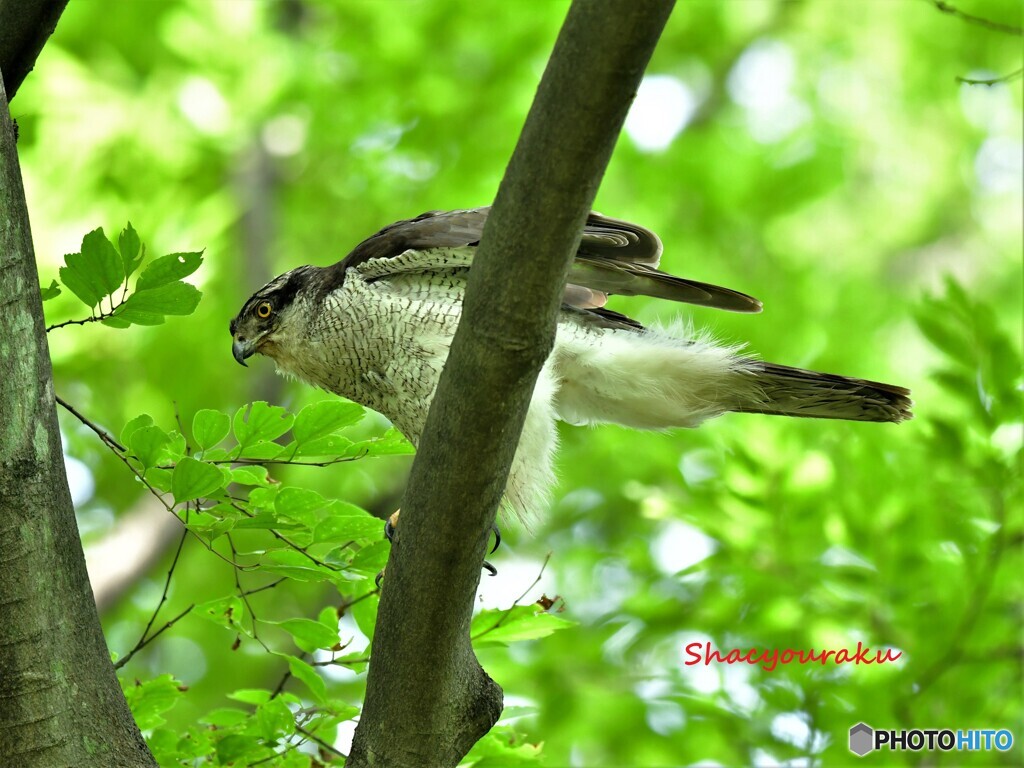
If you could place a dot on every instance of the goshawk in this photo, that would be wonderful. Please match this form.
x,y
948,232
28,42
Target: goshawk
x,y
376,327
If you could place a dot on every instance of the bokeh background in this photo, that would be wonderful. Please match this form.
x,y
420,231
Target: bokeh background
x,y
821,156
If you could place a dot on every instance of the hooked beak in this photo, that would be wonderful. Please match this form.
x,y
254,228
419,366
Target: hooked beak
x,y
241,349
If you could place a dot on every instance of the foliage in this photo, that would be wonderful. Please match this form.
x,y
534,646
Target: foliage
x,y
833,167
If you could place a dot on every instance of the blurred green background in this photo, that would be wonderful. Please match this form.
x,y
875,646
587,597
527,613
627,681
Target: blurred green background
x,y
819,155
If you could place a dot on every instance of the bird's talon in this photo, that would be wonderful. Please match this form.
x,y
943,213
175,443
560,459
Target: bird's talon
x,y
491,570
497,538
378,579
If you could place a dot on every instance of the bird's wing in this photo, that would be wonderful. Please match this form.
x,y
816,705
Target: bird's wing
x,y
614,257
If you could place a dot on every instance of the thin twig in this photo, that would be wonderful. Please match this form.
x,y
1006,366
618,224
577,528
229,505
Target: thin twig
x,y
994,81
995,26
518,600
323,744
167,625
245,595
103,435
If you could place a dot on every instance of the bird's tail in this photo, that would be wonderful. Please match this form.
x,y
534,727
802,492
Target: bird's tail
x,y
795,392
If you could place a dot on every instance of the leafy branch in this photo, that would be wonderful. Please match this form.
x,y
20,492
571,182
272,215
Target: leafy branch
x,y
100,270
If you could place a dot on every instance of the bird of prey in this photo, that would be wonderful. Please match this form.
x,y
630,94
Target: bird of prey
x,y
376,327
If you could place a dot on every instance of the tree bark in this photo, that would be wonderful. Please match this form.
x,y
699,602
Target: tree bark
x,y
60,702
428,700
25,26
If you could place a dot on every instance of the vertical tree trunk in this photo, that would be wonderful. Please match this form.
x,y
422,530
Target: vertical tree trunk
x,y
428,700
60,702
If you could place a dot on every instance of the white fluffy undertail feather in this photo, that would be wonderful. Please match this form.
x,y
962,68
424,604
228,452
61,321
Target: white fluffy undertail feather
x,y
651,379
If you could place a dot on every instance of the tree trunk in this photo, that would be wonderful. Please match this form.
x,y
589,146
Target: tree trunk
x,y
428,700
25,26
60,702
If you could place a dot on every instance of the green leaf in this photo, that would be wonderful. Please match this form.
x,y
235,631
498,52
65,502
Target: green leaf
x,y
329,446
309,677
52,292
168,269
392,443
150,306
325,418
148,444
234,749
193,479
225,611
149,700
299,504
523,622
224,717
274,719
371,558
365,614
131,250
251,695
347,522
946,336
209,427
295,565
260,422
142,420
309,635
250,476
94,273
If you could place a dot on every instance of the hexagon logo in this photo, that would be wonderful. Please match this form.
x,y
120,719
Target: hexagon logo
x,y
861,739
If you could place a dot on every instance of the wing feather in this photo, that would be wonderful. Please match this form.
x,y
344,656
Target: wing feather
x,y
615,257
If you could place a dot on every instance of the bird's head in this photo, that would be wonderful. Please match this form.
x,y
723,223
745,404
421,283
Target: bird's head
x,y
270,314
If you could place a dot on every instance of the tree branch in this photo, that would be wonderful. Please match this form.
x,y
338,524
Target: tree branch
x,y
428,700
25,26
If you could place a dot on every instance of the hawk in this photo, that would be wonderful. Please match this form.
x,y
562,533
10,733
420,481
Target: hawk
x,y
376,327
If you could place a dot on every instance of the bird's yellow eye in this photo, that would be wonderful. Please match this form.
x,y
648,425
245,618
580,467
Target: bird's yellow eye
x,y
263,309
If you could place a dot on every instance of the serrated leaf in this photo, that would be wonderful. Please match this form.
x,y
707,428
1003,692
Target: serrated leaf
x,y
947,337
167,270
52,292
209,427
148,443
325,418
194,479
78,282
309,635
95,272
309,677
260,422
150,306
131,250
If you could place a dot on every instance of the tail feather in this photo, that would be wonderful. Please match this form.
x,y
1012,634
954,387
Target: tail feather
x,y
797,392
